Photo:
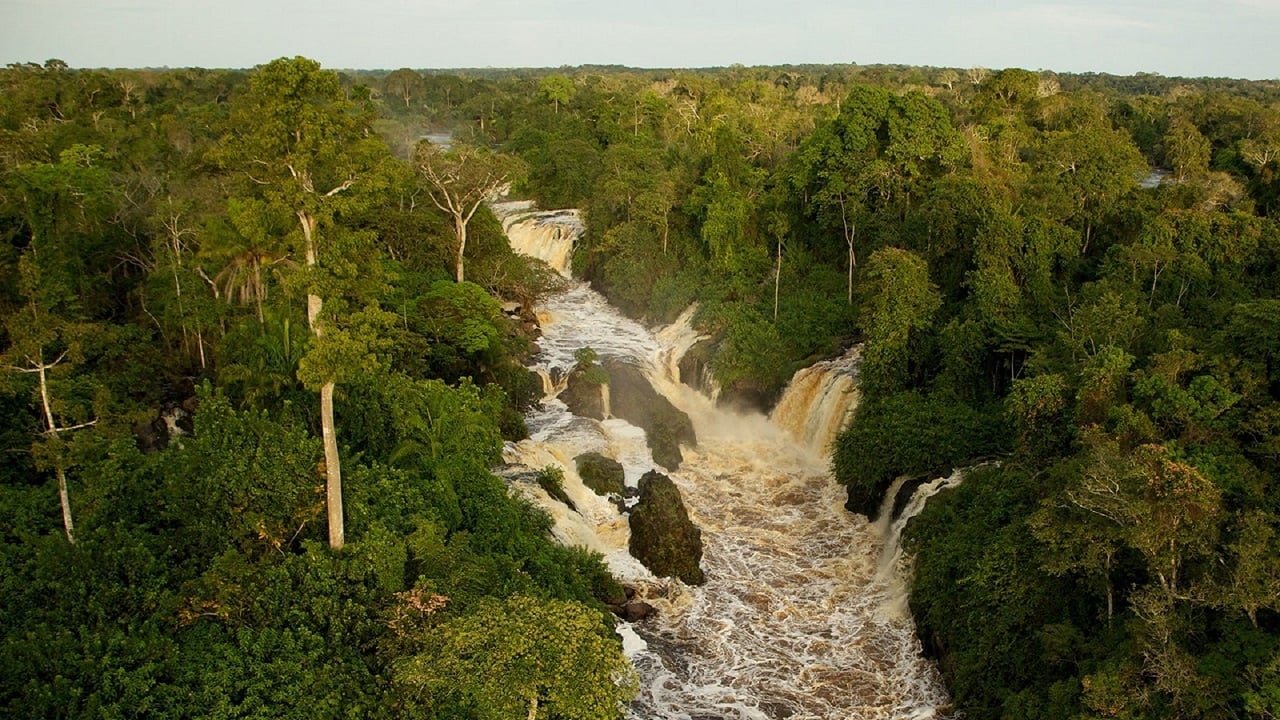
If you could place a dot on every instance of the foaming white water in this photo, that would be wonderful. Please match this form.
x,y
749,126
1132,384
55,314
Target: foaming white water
x,y
676,339
790,623
548,236
820,400
893,568
581,317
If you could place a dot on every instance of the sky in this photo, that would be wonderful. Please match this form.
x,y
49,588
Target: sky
x,y
1193,38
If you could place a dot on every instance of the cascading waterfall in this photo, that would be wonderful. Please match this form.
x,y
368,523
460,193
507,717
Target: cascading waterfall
x,y
546,235
892,567
820,400
792,620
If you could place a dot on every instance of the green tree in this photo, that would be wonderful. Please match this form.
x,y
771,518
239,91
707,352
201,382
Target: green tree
x,y
1186,150
405,84
901,304
61,203
1081,171
557,88
539,658
460,180
306,149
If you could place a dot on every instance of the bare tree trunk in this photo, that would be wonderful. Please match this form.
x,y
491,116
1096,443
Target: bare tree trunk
x,y
332,469
777,280
332,462
851,261
850,229
65,498
460,228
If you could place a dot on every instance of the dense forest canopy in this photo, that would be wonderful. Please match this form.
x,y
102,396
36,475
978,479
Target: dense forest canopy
x,y
1073,276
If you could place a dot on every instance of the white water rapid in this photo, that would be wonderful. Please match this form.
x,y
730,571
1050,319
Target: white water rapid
x,y
794,621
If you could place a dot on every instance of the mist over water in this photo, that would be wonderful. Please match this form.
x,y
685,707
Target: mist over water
x,y
796,620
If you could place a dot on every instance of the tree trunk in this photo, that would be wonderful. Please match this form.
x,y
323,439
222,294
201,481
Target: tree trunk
x,y
332,469
777,280
332,462
65,498
851,261
460,229
850,229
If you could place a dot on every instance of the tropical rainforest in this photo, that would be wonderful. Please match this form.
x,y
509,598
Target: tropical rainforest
x,y
261,345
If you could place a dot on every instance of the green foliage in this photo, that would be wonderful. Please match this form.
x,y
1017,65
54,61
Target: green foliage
x,y
245,480
521,657
587,361
909,434
901,303
1020,294
749,355
138,210
551,480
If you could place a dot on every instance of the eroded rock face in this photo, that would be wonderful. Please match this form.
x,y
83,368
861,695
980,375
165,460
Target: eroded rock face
x,y
633,399
662,536
603,475
694,365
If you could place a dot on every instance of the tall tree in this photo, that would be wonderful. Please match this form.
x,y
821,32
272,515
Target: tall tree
x,y
60,204
902,303
404,84
307,150
557,88
460,180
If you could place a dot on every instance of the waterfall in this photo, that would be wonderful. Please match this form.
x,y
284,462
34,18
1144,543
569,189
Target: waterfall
x,y
892,569
676,340
820,400
790,623
548,236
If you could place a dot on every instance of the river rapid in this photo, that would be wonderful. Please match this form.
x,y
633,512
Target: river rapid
x,y
801,616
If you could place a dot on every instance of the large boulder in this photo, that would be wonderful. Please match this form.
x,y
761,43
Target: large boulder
x,y
583,396
633,399
605,476
662,536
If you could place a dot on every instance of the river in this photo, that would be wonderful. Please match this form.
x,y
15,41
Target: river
x,y
799,617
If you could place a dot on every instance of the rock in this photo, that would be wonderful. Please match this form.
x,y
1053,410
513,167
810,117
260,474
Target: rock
x,y
744,396
170,423
584,398
662,536
636,611
695,363
151,436
633,399
603,475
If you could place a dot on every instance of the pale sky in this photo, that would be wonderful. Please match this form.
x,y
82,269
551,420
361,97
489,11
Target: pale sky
x,y
1221,38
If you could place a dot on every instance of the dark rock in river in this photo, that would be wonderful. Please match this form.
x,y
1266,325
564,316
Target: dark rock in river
x,y
633,399
583,397
636,611
742,396
695,364
662,536
603,475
